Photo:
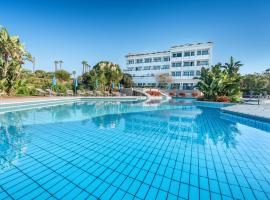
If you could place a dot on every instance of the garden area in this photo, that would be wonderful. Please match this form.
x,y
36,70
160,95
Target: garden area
x,y
221,82
224,83
17,81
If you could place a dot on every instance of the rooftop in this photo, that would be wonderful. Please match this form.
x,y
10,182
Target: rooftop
x,y
160,52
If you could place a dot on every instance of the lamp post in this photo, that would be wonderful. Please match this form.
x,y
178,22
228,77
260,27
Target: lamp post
x,y
74,81
34,64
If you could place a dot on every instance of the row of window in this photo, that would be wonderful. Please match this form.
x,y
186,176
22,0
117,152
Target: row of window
x,y
145,75
190,63
186,73
167,58
182,86
190,53
155,67
174,64
149,60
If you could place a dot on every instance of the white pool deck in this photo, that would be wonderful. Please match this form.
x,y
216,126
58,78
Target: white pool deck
x,y
15,100
260,111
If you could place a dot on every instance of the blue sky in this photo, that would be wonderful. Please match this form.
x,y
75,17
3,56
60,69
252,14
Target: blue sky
x,y
95,30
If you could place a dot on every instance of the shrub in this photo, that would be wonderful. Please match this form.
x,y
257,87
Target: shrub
x,y
154,93
195,94
172,94
222,99
182,94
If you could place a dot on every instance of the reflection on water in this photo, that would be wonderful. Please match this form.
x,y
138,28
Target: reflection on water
x,y
13,139
192,124
176,120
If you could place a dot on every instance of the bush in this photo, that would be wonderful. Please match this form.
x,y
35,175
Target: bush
x,y
154,93
222,99
195,94
172,94
182,94
60,88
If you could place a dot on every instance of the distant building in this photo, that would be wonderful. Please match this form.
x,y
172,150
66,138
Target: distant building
x,y
183,63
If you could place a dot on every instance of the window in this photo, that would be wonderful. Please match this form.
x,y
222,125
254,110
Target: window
x,y
189,63
203,52
129,68
202,62
179,54
157,59
148,60
156,67
188,73
165,67
178,73
146,67
198,73
138,68
189,53
177,64
139,61
130,62
166,59
187,86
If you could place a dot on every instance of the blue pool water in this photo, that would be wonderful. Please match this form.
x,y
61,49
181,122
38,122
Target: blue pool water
x,y
113,150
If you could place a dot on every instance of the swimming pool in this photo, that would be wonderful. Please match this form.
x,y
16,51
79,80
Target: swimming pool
x,y
127,150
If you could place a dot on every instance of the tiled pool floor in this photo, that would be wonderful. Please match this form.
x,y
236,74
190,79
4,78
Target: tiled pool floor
x,y
163,154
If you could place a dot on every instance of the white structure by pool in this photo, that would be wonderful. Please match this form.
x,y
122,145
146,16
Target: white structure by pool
x,y
182,63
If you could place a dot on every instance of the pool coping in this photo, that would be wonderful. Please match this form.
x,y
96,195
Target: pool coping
x,y
26,104
35,100
249,116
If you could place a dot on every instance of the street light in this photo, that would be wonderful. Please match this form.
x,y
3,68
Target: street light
x,y
75,81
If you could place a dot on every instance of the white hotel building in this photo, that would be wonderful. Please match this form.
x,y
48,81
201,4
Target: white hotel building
x,y
183,63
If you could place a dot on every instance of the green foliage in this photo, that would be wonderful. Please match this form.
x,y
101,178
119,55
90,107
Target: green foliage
x,y
104,73
127,81
257,83
12,56
62,75
60,88
221,80
164,79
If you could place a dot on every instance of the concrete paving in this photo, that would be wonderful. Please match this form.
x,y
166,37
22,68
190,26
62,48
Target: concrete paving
x,y
260,111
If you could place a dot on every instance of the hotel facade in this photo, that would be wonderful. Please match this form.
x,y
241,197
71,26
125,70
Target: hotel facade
x,y
183,63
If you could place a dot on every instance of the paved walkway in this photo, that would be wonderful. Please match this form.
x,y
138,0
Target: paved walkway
x,y
261,111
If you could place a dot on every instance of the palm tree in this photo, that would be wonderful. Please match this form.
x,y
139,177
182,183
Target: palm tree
x,y
84,63
87,67
55,64
60,64
12,56
233,67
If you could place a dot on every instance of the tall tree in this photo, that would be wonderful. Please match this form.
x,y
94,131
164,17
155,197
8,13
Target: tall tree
x,y
105,73
164,79
221,80
12,56
84,63
127,81
55,65
60,64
